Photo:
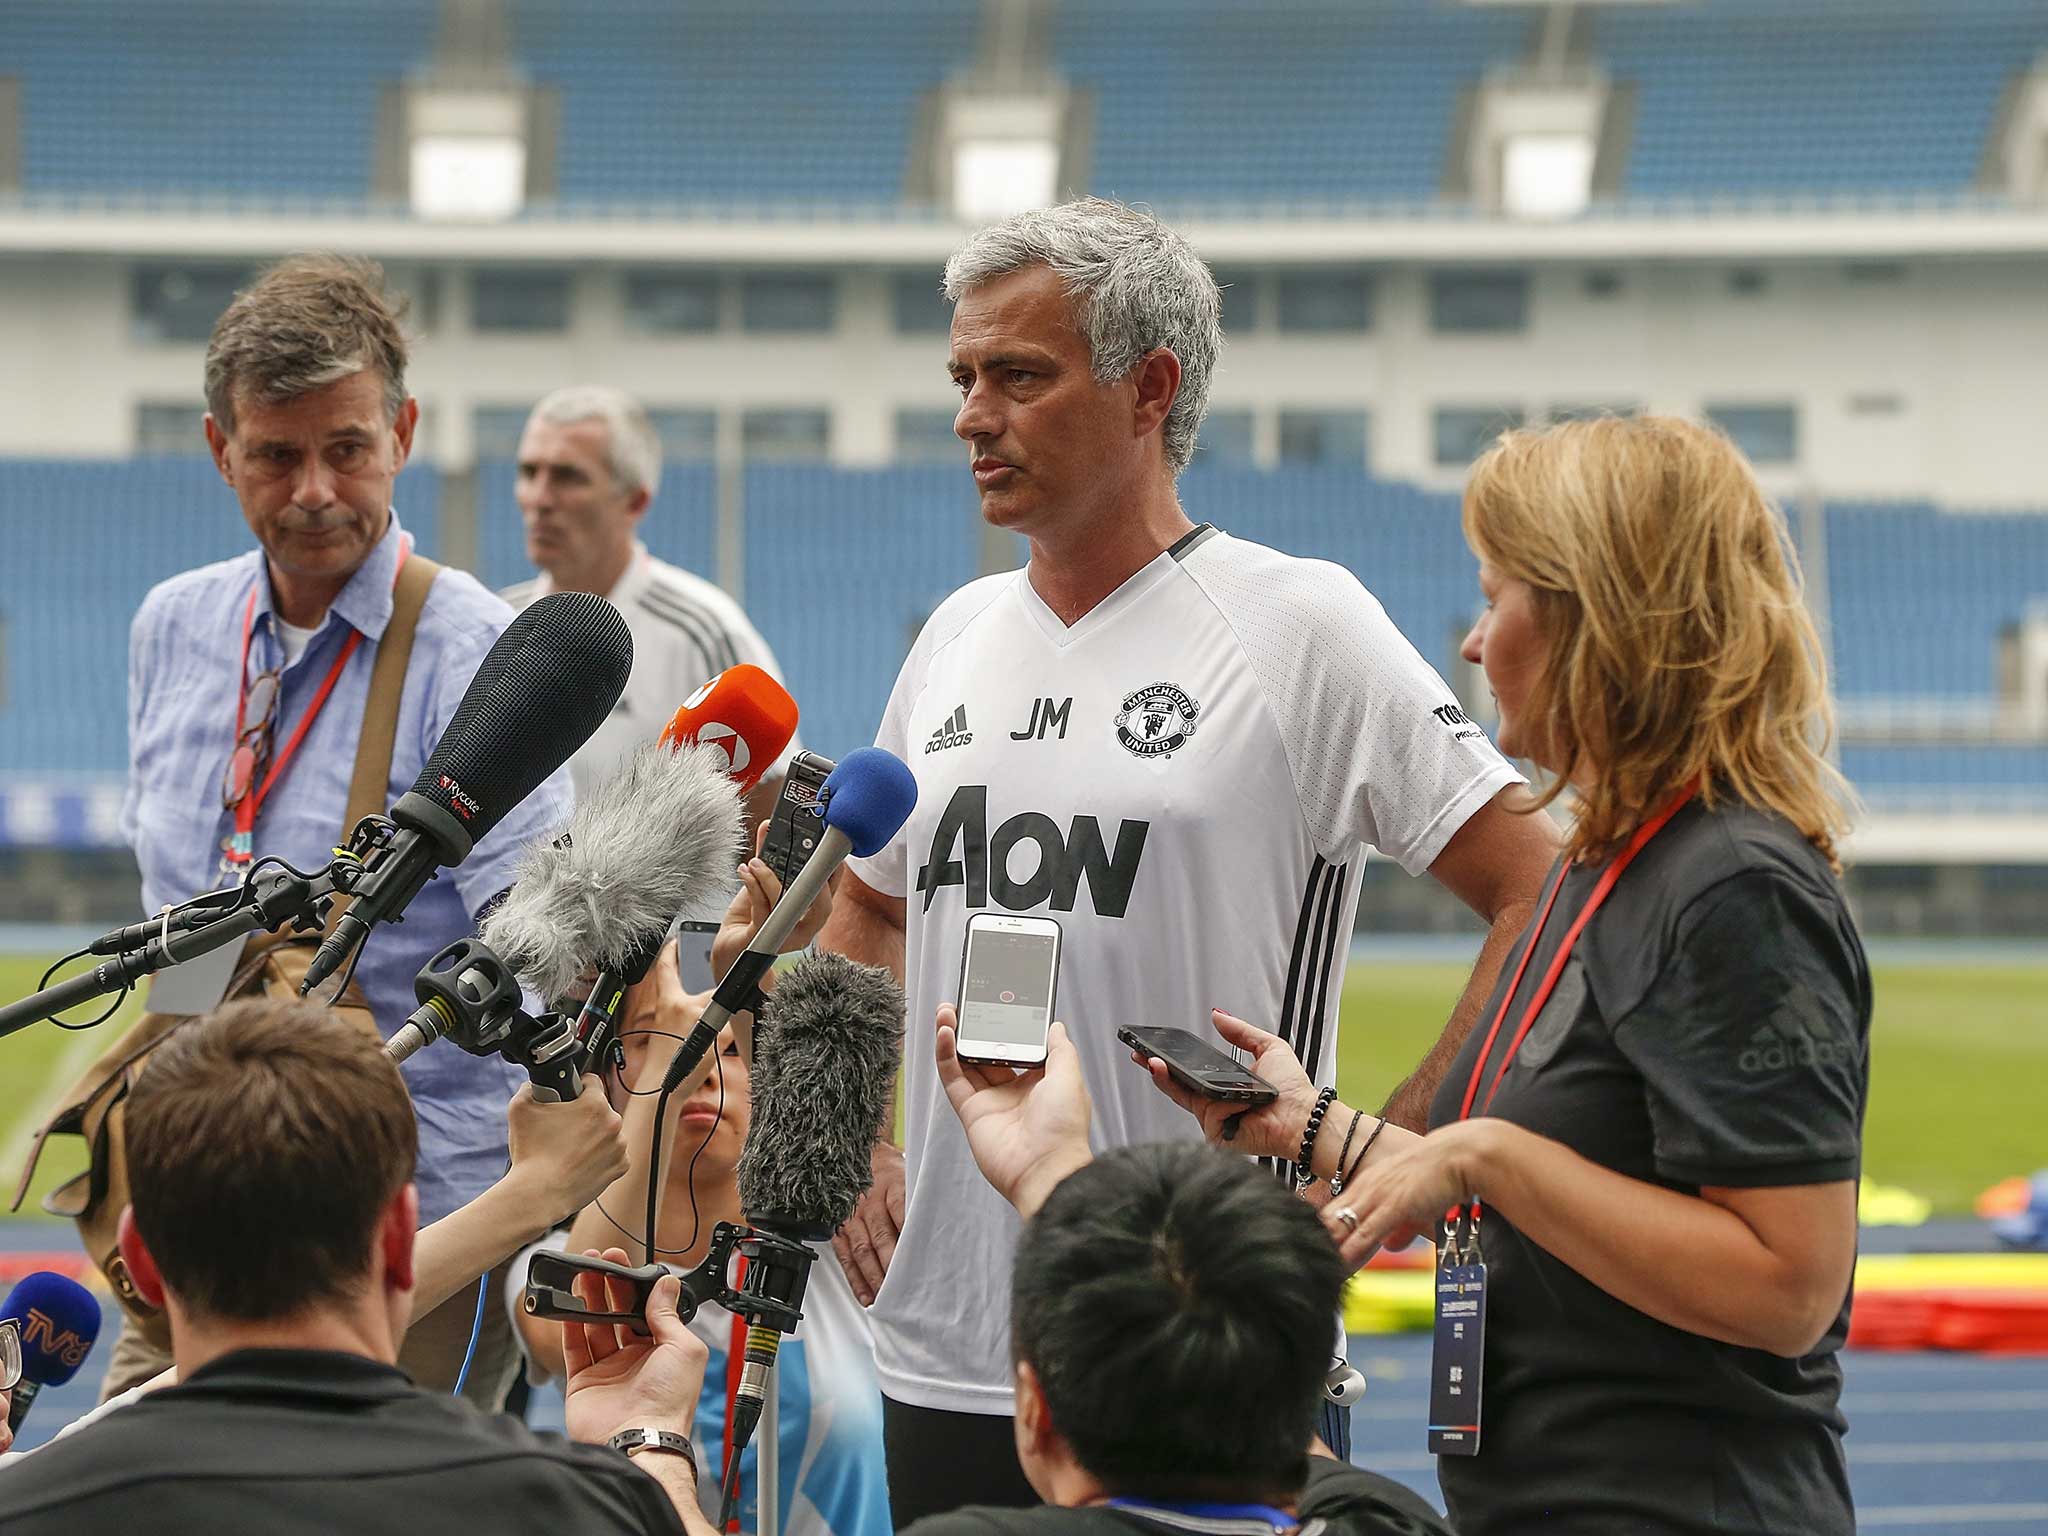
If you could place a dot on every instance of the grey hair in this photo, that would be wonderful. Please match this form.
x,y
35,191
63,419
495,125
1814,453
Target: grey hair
x,y
1136,286
633,446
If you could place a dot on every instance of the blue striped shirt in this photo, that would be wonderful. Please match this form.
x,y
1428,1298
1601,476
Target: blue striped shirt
x,y
183,652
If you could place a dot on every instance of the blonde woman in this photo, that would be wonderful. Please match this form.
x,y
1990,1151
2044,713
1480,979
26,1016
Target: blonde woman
x,y
1651,1139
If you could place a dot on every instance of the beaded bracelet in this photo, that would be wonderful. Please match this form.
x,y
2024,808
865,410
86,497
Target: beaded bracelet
x,y
1304,1170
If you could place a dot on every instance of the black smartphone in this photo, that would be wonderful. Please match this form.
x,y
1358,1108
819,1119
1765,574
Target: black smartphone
x,y
1198,1066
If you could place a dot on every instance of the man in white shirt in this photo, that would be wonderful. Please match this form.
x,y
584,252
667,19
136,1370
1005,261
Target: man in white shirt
x,y
589,467
1177,743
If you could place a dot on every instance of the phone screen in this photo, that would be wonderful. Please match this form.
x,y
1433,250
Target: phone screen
x,y
1006,994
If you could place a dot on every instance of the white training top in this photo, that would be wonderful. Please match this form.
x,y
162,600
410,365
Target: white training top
x,y
686,631
1186,779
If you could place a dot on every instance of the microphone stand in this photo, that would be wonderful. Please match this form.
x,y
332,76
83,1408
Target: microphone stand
x,y
273,897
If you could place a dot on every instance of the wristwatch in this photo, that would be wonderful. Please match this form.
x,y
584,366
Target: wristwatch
x,y
647,1438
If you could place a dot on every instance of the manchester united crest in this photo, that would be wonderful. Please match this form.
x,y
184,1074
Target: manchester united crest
x,y
1156,721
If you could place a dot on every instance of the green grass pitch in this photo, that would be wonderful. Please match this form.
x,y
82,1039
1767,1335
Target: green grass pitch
x,y
1958,1058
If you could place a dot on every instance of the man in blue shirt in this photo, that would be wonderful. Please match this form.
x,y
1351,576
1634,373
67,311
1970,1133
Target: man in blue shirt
x,y
309,423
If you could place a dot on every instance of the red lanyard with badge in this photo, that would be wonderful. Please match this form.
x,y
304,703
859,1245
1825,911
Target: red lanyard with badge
x,y
247,784
1456,1361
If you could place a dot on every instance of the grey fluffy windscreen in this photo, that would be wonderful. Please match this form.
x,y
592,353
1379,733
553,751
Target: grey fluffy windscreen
x,y
661,835
825,1057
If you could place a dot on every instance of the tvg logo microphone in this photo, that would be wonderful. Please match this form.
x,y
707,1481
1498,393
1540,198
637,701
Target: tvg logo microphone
x,y
40,1330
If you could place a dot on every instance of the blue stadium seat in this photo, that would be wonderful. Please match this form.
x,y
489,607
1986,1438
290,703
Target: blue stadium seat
x,y
843,568
743,102
1403,543
1779,97
1941,778
277,99
1920,597
1212,101
86,540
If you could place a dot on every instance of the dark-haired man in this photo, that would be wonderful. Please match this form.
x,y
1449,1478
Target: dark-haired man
x,y
272,1148
1170,1328
248,684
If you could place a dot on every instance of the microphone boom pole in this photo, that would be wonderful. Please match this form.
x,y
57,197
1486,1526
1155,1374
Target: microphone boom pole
x,y
278,897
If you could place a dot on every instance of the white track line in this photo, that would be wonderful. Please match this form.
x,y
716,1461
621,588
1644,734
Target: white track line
x,y
77,1056
2018,1400
1946,1515
1939,1453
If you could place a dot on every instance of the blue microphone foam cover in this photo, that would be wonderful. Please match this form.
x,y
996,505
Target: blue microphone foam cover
x,y
872,794
59,1321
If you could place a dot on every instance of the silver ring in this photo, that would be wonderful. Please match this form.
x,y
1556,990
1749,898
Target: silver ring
x,y
1349,1218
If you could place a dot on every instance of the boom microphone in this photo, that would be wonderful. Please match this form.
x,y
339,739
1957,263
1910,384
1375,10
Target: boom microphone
x,y
652,840
744,713
59,1319
825,1060
826,1054
543,688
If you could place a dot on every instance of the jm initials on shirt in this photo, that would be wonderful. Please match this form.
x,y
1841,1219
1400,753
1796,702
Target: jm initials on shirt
x,y
1066,860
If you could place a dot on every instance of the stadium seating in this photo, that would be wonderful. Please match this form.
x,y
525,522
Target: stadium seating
x,y
85,541
1215,102
747,102
753,104
843,568
1403,543
1919,598
844,565
170,97
1771,97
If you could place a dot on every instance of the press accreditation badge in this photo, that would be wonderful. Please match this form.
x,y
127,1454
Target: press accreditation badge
x,y
1456,1362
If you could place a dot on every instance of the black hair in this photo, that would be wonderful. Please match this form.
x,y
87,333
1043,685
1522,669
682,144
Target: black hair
x,y
1179,1307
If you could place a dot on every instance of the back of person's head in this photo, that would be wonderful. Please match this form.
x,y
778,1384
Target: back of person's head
x,y
1178,1307
305,323
1679,646
264,1143
633,447
1136,286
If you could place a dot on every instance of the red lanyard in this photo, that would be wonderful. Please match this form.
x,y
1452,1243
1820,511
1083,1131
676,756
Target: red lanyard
x,y
1608,877
240,849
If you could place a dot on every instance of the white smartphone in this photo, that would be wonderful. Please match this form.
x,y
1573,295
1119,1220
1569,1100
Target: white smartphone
x,y
1009,975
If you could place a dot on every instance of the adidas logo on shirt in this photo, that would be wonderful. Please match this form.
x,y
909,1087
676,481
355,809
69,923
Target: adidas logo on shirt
x,y
1773,1050
953,733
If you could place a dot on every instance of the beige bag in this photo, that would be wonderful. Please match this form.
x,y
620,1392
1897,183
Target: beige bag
x,y
271,965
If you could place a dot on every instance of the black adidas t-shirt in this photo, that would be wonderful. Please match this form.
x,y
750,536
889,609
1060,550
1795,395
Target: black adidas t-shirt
x,y
1337,1500
1711,1028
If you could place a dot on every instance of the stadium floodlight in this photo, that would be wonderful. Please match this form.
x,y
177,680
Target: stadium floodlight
x,y
994,178
468,177
1546,175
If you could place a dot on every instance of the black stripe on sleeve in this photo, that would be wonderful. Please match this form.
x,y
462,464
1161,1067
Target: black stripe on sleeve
x,y
725,653
1325,965
1285,1027
693,627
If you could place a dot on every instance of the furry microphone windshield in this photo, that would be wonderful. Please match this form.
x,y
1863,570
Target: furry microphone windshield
x,y
825,1058
659,836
